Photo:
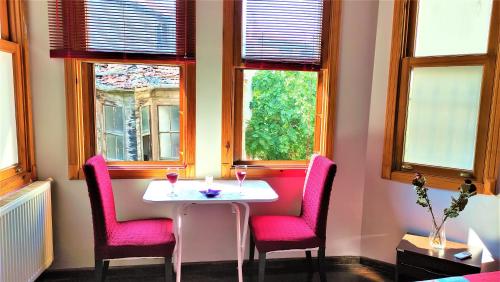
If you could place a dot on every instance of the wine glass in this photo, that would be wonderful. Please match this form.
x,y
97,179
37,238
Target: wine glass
x,y
241,174
172,177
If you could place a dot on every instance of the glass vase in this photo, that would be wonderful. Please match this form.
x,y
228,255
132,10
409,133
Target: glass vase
x,y
437,237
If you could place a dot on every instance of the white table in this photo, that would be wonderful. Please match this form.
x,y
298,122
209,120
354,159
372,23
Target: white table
x,y
187,193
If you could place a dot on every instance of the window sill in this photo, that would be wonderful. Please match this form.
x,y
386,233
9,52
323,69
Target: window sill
x,y
445,183
142,172
15,182
272,170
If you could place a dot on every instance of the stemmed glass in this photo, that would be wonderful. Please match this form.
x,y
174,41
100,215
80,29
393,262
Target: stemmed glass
x,y
241,174
172,177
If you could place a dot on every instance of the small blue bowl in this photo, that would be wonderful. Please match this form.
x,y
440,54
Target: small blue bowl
x,y
210,193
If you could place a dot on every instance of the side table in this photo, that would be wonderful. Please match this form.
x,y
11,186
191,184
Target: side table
x,y
416,260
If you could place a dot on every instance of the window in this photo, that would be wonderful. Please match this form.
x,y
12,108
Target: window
x,y
130,77
114,133
146,133
125,93
441,99
278,115
168,131
17,166
279,72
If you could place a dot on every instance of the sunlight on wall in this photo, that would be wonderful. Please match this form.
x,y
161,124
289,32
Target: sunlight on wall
x,y
474,240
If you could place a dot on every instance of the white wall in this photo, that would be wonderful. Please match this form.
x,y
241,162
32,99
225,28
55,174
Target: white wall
x,y
389,208
353,101
214,225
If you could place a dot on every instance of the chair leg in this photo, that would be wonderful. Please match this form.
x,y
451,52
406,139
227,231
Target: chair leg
x,y
309,261
251,255
168,269
101,267
262,266
105,270
321,264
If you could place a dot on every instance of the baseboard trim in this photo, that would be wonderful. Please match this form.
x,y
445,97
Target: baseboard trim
x,y
278,264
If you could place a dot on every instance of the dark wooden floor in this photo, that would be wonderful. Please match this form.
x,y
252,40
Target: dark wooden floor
x,y
277,270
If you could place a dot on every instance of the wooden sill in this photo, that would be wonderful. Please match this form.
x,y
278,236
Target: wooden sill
x,y
142,172
275,170
14,183
439,182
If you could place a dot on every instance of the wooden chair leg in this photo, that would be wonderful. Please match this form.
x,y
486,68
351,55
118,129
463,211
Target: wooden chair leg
x,y
101,267
309,261
321,264
262,266
251,255
168,269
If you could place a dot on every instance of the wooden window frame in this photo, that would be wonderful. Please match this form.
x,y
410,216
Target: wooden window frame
x,y
13,40
81,125
487,155
4,20
232,82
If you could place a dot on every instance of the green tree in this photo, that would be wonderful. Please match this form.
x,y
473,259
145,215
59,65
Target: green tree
x,y
283,108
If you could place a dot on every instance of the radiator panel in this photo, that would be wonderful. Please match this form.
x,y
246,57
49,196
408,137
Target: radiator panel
x,y
26,245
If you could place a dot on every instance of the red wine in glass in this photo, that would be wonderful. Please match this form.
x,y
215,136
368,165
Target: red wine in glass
x,y
241,174
172,177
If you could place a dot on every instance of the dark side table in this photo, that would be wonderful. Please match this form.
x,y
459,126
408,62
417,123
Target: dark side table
x,y
416,260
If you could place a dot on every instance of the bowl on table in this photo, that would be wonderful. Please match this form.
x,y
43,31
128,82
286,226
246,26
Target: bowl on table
x,y
210,193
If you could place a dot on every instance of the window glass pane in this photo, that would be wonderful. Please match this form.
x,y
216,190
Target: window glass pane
x,y
175,145
164,118
114,119
8,128
127,104
110,147
118,119
119,148
109,122
145,120
452,27
146,148
169,146
165,146
278,114
175,118
442,117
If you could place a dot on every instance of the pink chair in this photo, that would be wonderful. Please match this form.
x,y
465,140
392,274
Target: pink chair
x,y
270,233
133,238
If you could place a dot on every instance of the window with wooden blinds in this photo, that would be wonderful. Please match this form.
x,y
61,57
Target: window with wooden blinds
x,y
137,29
282,31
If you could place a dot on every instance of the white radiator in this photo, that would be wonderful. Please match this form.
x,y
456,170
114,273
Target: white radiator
x,y
26,233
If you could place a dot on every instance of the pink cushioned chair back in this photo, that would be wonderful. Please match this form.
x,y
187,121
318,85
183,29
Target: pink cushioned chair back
x,y
101,198
317,190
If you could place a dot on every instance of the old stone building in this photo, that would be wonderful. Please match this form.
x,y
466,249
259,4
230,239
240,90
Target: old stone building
x,y
137,112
